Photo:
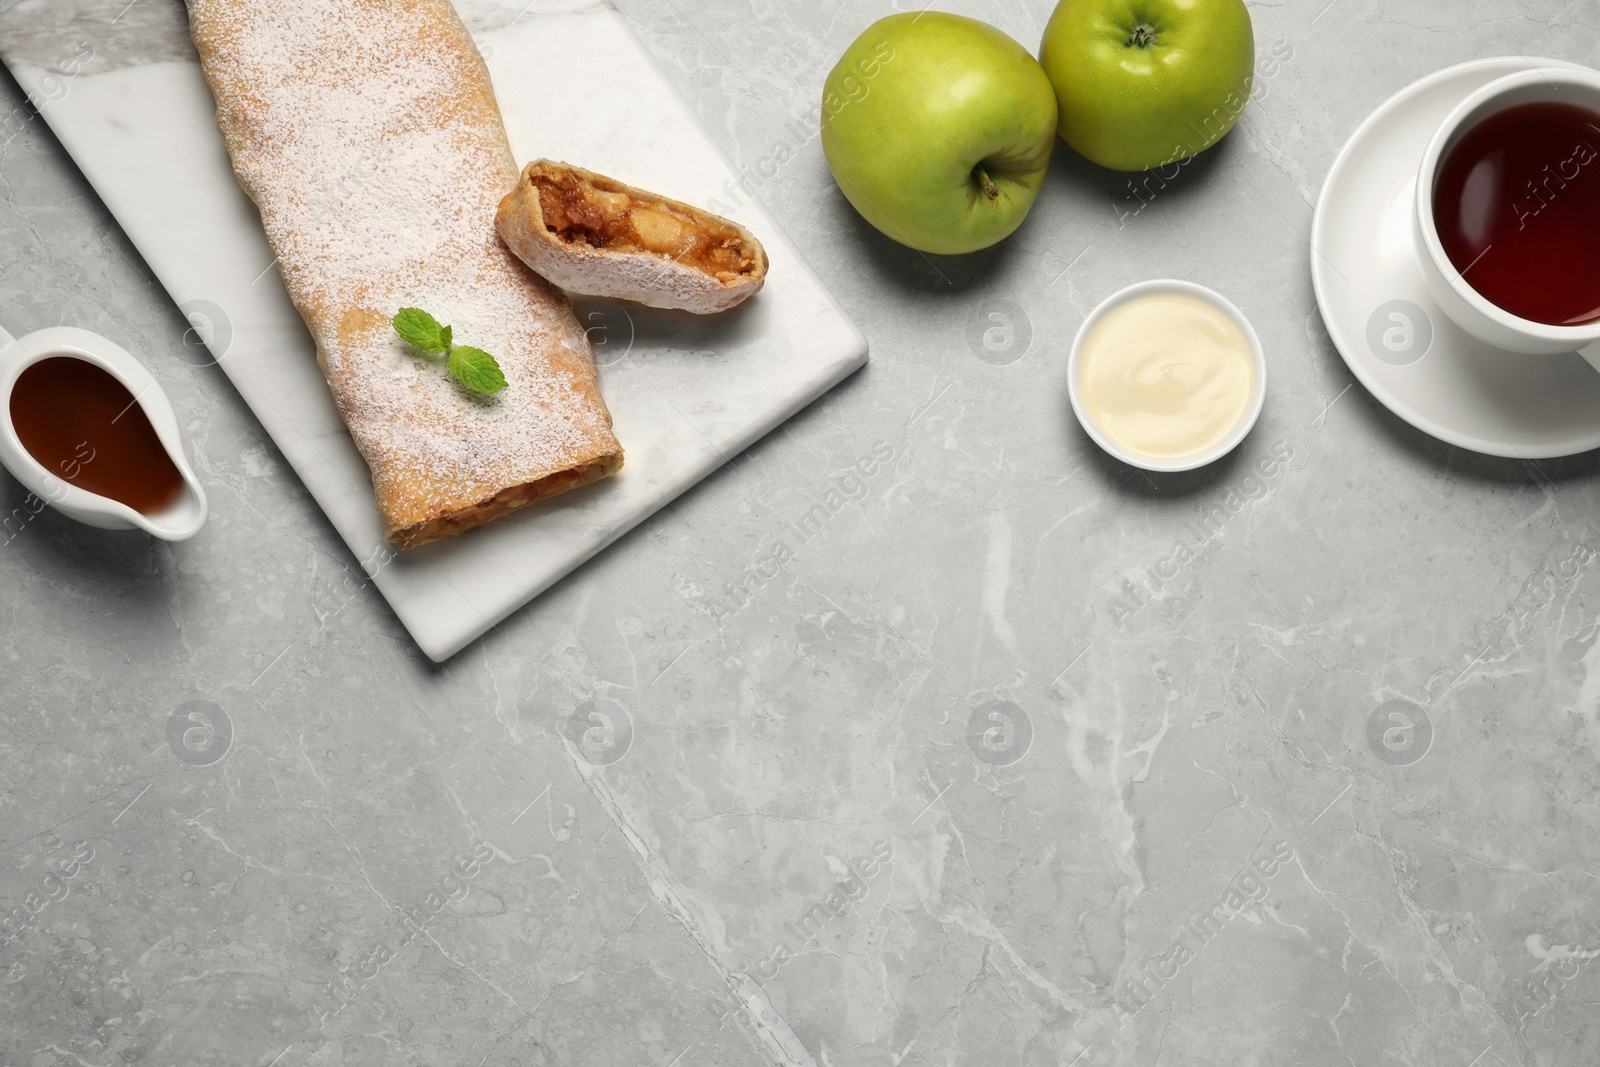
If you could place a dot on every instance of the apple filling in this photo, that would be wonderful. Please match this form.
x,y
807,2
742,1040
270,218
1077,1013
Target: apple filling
x,y
613,217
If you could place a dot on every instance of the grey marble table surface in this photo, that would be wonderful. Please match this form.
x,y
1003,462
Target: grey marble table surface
x,y
922,733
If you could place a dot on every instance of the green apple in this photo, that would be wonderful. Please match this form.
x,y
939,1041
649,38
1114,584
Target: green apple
x,y
938,129
1145,83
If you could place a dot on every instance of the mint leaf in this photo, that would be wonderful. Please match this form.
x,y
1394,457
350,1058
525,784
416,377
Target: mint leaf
x,y
422,330
472,367
476,369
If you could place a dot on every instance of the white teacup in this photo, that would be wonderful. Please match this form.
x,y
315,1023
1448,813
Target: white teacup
x,y
1456,297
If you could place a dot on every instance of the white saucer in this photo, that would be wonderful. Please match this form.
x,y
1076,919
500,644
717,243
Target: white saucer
x,y
1421,365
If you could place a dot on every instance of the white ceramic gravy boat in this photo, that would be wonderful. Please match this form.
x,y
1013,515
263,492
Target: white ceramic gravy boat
x,y
178,522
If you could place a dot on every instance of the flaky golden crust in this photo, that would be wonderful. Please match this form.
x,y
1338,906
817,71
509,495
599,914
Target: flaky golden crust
x,y
595,236
466,516
367,133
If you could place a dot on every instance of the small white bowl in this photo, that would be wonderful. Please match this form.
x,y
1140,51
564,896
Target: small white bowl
x,y
1258,393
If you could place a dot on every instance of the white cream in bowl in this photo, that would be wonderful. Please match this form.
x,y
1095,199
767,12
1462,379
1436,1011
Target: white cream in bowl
x,y
1167,376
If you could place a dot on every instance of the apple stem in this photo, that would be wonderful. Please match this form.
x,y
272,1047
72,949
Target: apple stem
x,y
990,189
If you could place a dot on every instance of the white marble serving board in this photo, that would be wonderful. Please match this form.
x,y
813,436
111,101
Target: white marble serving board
x,y
686,394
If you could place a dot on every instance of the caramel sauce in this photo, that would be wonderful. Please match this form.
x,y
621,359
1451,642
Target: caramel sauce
x,y
83,426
